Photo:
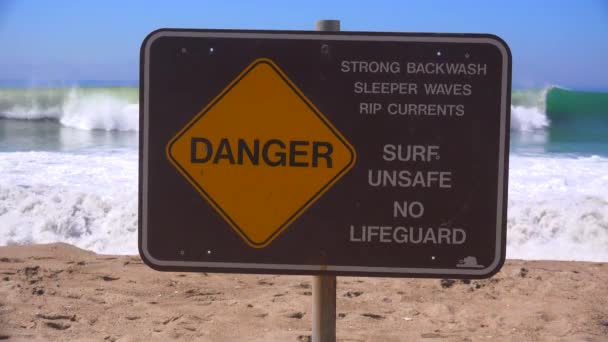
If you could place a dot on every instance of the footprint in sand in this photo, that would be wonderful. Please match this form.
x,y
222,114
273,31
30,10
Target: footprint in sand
x,y
372,315
353,294
297,315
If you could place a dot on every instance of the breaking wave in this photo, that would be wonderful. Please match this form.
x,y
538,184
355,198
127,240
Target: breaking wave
x,y
117,108
533,110
109,109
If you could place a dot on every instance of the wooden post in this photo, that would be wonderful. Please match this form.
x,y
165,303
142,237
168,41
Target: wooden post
x,y
324,286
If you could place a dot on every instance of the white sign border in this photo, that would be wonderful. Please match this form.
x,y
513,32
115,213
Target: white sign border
x,y
327,37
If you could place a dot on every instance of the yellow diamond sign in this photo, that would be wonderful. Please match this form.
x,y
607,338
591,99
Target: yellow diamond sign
x,y
261,153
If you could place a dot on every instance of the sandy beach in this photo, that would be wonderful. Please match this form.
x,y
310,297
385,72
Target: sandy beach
x,y
58,292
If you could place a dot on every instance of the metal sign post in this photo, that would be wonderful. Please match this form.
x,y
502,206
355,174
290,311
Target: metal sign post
x,y
324,308
324,286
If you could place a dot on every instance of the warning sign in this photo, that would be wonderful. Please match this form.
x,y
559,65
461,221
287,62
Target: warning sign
x,y
344,153
261,153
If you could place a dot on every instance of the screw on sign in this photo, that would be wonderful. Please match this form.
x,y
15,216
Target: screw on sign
x,y
324,153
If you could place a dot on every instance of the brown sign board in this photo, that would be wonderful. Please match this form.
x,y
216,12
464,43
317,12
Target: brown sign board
x,y
344,153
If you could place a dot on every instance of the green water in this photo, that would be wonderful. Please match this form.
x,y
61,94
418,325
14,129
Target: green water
x,y
50,98
561,104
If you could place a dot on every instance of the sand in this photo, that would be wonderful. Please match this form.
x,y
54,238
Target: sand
x,y
58,292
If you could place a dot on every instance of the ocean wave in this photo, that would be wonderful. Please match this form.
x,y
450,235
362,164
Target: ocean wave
x,y
109,109
528,119
99,111
528,110
533,110
117,108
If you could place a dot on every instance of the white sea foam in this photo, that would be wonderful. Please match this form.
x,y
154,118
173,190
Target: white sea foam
x,y
32,111
558,206
528,119
99,111
529,116
89,200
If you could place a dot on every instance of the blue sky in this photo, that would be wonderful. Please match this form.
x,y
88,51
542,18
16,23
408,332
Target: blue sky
x,y
553,42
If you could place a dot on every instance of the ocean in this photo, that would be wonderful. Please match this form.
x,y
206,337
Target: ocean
x,y
69,159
